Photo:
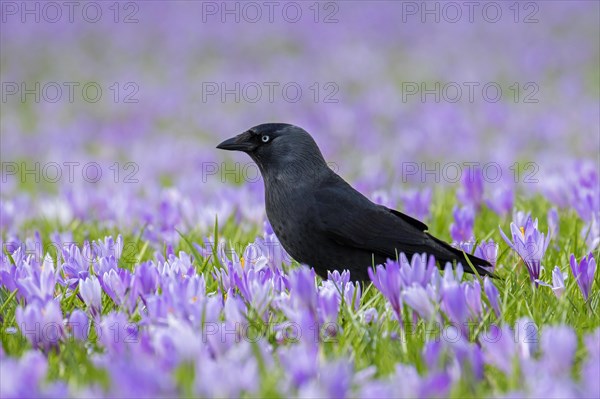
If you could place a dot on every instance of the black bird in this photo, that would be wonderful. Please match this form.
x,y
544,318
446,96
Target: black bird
x,y
320,219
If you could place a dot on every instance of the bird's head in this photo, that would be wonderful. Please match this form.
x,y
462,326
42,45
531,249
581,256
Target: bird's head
x,y
277,146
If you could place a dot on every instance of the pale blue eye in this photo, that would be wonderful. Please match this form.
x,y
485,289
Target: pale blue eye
x,y
265,139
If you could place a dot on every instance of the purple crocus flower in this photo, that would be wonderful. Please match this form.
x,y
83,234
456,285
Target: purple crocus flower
x,y
466,246
369,315
34,245
272,249
432,352
40,283
299,362
452,274
382,198
435,385
117,332
79,325
117,283
471,192
520,218
310,309
493,295
553,222
341,286
530,244
177,341
406,383
456,357
501,201
420,270
419,300
235,372
558,345
256,288
455,306
109,247
329,308
25,377
179,266
388,281
139,374
462,227
558,282
91,292
335,379
351,291
591,366
585,198
472,292
591,232
417,203
145,279
339,279
332,379
303,289
501,346
76,264
584,273
41,324
526,337
9,274
104,265
488,250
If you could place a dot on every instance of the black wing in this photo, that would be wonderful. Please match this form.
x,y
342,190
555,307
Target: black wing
x,y
352,220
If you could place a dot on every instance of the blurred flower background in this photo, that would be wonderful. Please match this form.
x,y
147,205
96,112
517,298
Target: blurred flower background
x,y
464,114
176,78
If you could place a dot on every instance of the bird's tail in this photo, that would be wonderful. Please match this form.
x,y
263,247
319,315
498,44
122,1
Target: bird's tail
x,y
448,253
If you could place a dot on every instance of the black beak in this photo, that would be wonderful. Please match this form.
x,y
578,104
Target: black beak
x,y
241,142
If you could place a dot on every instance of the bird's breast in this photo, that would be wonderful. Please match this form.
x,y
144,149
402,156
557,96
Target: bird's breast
x,y
290,216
